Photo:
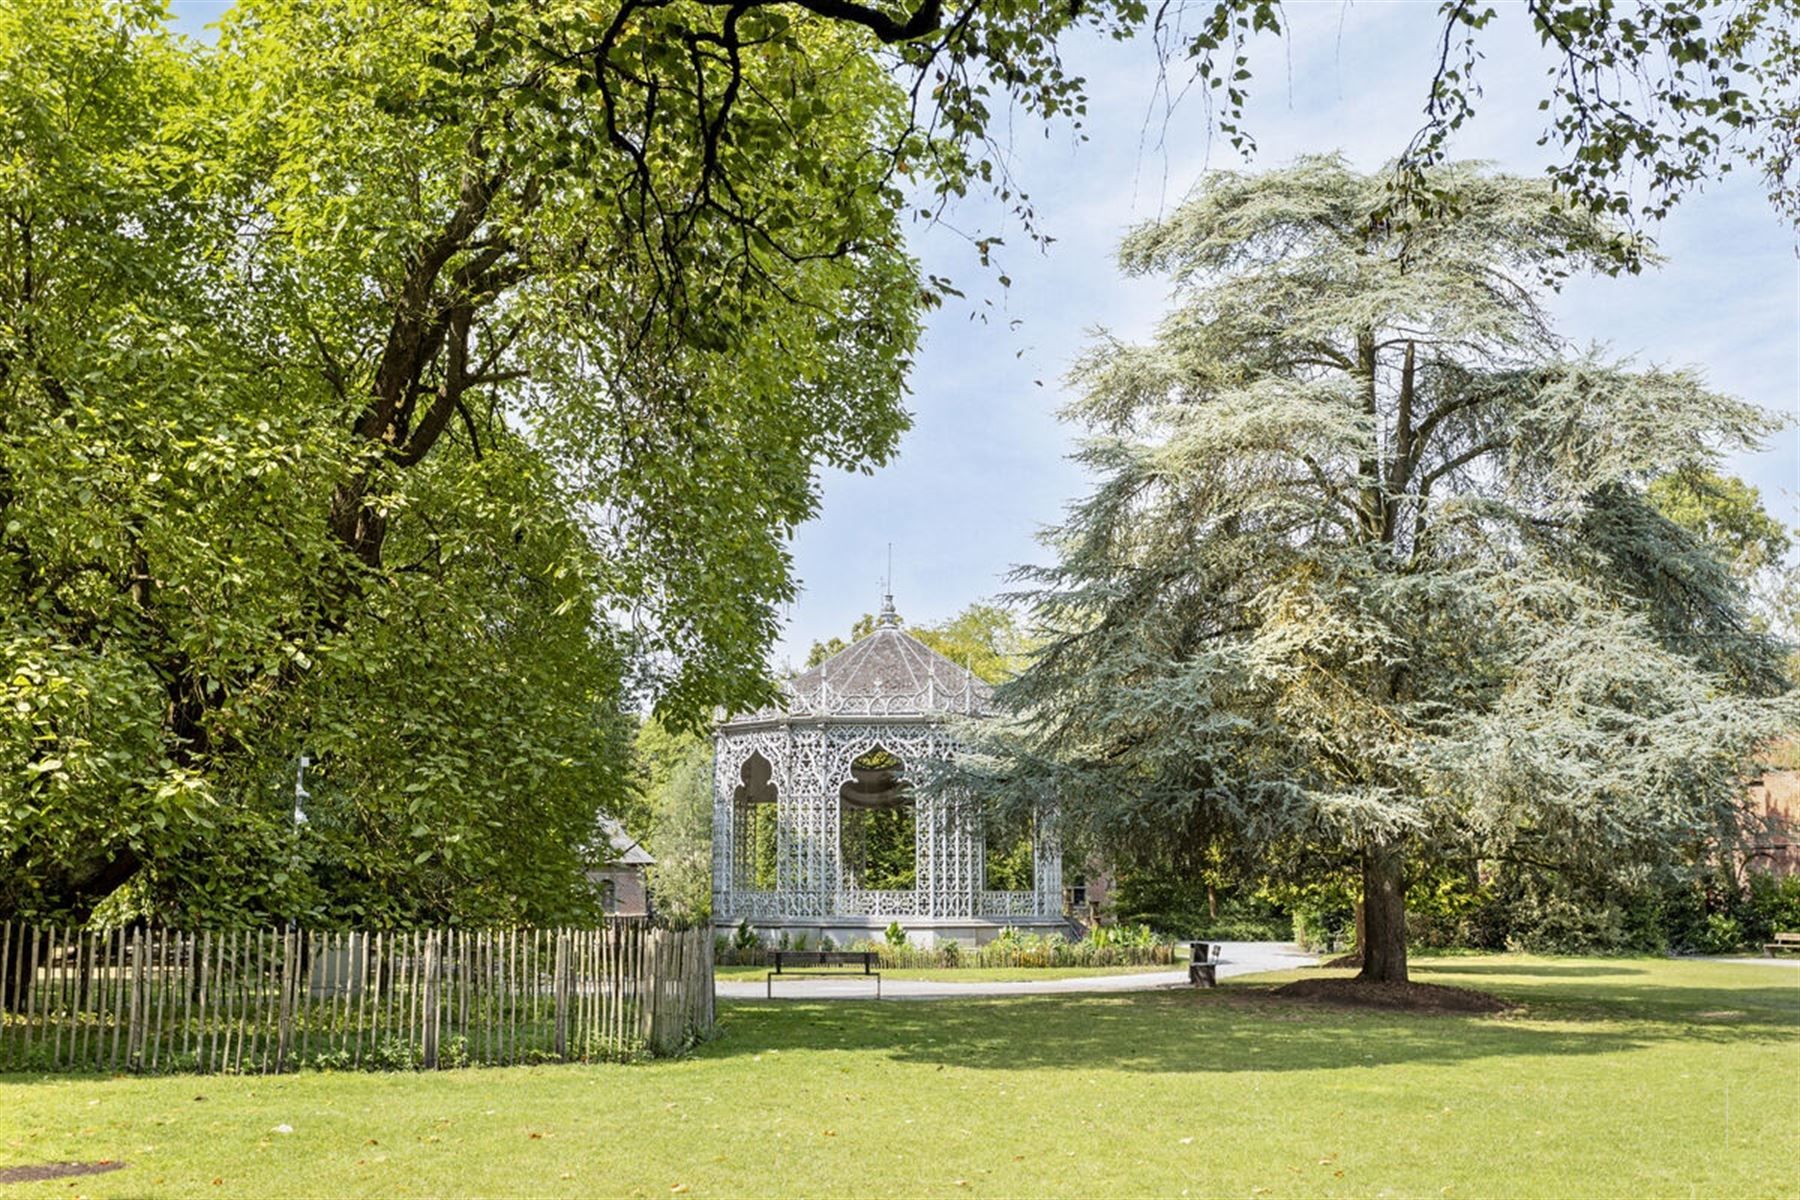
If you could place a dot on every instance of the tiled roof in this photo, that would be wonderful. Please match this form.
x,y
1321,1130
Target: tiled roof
x,y
887,673
625,849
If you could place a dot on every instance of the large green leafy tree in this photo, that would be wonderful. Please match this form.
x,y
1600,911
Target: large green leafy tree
x,y
1370,578
401,384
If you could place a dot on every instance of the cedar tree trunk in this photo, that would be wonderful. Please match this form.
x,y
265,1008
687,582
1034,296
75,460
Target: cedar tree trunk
x,y
1384,916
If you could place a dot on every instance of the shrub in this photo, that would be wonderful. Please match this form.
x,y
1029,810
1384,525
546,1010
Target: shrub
x,y
1770,905
394,1054
896,936
1723,935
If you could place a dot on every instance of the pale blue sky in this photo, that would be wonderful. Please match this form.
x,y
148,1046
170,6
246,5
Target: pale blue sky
x,y
985,465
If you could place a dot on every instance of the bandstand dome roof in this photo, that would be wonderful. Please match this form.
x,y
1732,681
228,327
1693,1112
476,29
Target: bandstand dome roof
x,y
889,673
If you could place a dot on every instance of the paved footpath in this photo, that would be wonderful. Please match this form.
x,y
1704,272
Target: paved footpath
x,y
1238,958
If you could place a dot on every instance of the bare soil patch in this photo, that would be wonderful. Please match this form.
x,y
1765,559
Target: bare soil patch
x,y
42,1171
1409,997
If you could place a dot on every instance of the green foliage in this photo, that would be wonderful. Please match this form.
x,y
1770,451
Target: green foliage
x,y
1728,517
394,1054
1187,905
764,829
1322,911
1007,858
1135,936
985,638
1105,946
1727,513
674,776
880,847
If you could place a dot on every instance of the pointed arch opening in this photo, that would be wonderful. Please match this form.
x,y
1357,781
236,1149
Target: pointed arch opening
x,y
753,821
878,833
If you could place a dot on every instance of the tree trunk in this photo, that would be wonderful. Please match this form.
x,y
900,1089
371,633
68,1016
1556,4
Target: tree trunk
x,y
1384,916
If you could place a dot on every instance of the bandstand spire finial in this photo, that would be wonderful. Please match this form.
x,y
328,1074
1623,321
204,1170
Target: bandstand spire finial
x,y
889,619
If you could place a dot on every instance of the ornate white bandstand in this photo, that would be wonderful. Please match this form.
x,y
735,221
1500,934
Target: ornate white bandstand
x,y
825,756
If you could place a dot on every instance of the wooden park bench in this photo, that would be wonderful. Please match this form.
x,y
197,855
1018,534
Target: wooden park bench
x,y
823,962
1203,963
1783,941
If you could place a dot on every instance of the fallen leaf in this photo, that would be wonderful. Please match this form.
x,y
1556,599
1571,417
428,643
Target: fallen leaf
x,y
680,1187
1188,1141
536,1137
284,1128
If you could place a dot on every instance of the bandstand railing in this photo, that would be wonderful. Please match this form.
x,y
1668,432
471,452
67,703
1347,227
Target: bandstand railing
x,y
1008,904
878,903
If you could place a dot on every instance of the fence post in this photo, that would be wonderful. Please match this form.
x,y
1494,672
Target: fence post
x,y
285,1031
560,989
134,1034
428,1033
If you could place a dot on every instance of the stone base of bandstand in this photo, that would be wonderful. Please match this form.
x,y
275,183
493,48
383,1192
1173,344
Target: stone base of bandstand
x,y
920,931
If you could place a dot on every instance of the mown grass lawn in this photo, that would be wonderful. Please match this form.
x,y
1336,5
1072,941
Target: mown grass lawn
x,y
1616,1077
960,974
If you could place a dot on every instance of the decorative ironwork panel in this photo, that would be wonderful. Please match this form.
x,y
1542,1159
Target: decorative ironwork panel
x,y
1009,904
861,902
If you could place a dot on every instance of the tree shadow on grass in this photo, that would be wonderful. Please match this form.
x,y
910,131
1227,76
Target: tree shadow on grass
x,y
1230,1029
1623,992
1451,966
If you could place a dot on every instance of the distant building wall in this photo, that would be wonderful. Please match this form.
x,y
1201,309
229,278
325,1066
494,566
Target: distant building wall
x,y
623,890
1775,803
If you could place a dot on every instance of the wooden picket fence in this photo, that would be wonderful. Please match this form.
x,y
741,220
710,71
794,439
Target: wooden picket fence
x,y
259,1001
